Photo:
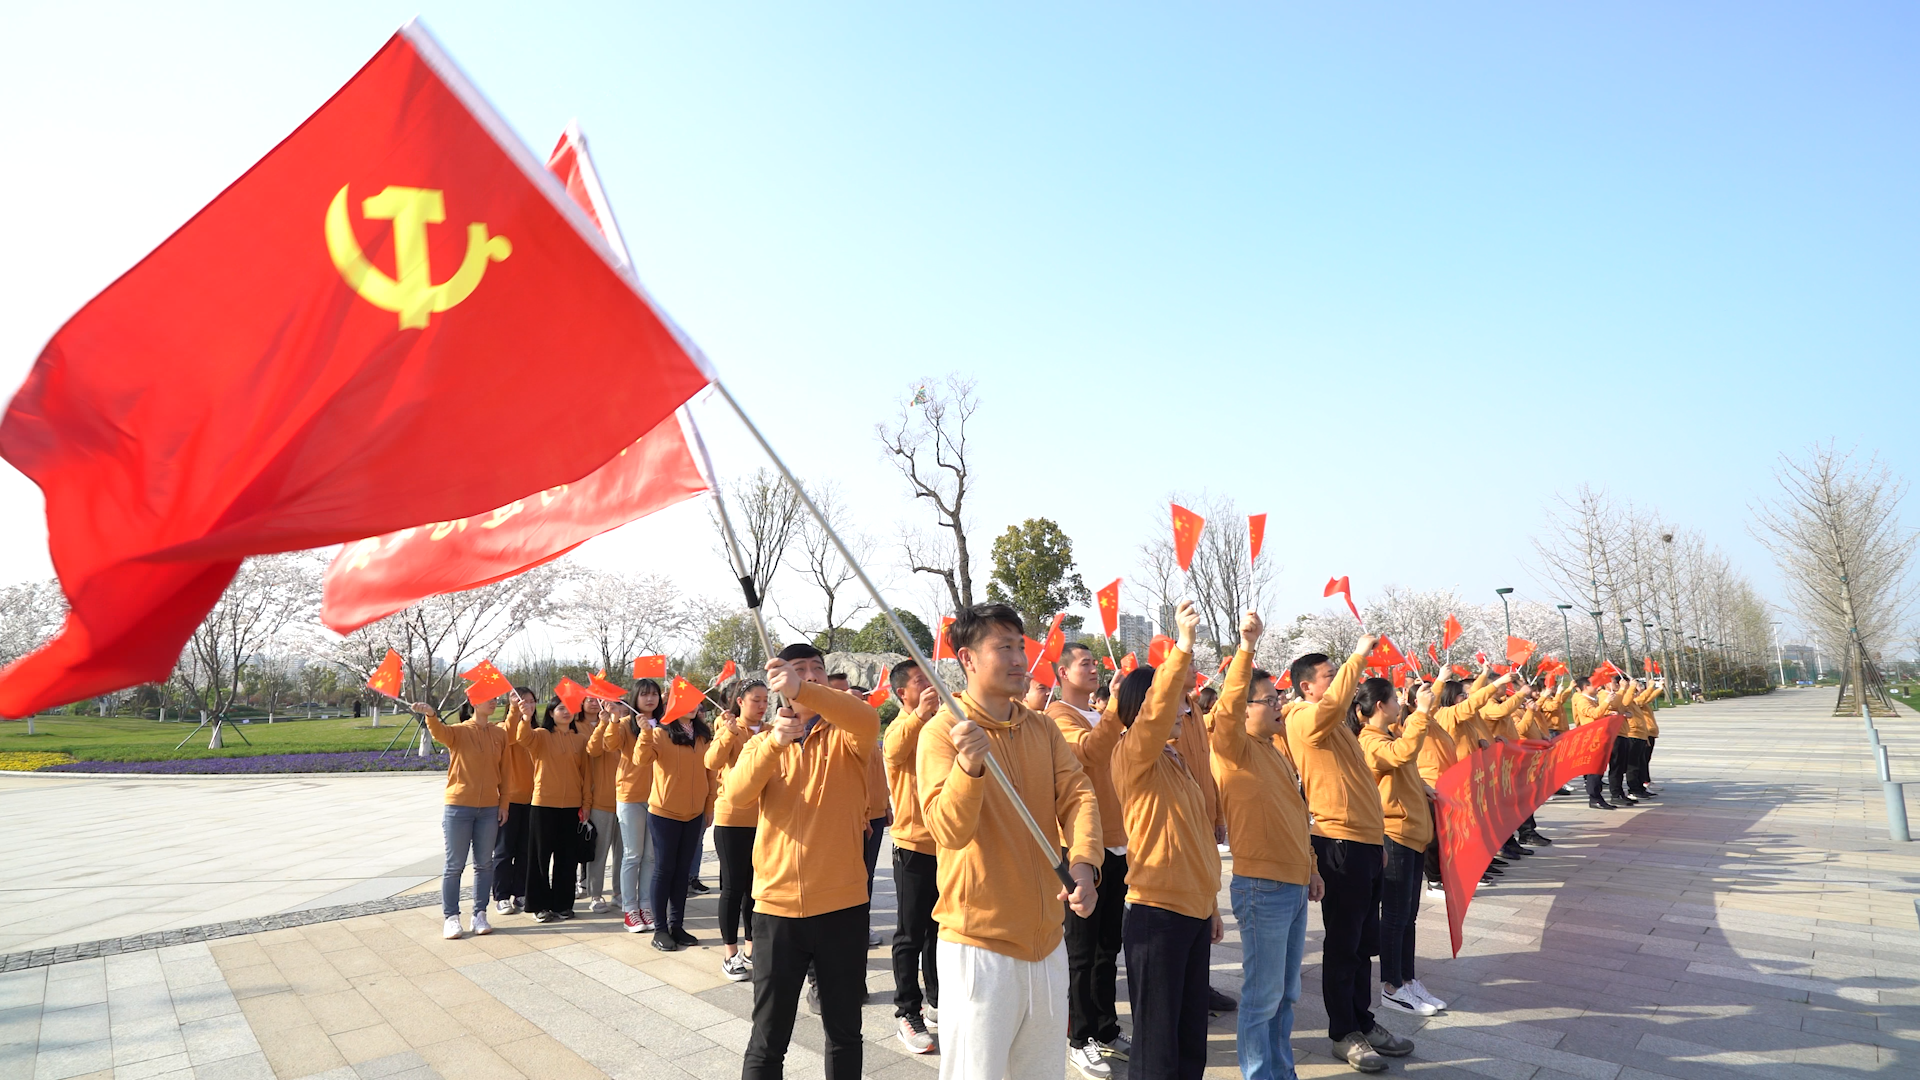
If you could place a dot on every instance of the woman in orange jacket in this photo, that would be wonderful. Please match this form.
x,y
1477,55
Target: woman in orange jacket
x,y
557,742
735,826
677,808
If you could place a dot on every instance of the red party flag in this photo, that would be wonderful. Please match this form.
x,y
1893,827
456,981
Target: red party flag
x,y
1224,661
1518,650
1340,585
880,693
1651,667
1400,677
728,673
487,682
1128,663
649,667
1450,632
1256,535
1158,648
373,578
1461,671
1186,534
1109,600
942,644
599,687
682,699
1201,682
198,410
386,678
570,693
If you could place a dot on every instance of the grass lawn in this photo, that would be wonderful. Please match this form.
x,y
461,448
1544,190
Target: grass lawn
x,y
128,738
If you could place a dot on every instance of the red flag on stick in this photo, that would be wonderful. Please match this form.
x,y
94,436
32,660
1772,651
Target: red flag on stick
x,y
1056,642
1109,600
883,691
1256,535
942,644
1450,632
1340,585
1107,662
1158,648
386,678
728,673
1128,663
649,667
1285,681
1037,667
487,682
1461,671
1384,655
1652,667
598,686
1186,534
682,699
1433,654
570,693
398,252
1518,650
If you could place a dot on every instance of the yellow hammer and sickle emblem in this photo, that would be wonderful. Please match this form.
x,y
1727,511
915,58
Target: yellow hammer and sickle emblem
x,y
411,292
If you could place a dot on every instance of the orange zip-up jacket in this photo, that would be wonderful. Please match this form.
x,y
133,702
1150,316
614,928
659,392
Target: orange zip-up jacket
x,y
1093,744
808,855
477,761
1198,758
1653,714
683,787
1588,709
1340,789
878,793
901,748
615,741
1552,710
997,888
560,776
1436,755
730,736
1259,790
1639,704
1172,860
1396,770
1498,718
1532,723
1459,721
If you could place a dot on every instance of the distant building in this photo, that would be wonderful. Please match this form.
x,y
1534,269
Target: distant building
x,y
1135,634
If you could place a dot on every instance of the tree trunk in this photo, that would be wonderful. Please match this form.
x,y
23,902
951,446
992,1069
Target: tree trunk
x,y
213,741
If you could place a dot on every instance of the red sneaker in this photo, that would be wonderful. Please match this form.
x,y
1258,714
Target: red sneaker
x,y
635,924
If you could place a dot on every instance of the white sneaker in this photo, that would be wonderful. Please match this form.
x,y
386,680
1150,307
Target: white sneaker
x,y
503,905
480,924
579,890
519,905
736,968
646,921
1426,995
930,1014
912,1031
1405,1000
599,906
1091,1063
1436,892
450,929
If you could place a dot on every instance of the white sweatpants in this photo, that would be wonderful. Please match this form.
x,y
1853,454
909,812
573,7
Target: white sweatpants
x,y
1001,1018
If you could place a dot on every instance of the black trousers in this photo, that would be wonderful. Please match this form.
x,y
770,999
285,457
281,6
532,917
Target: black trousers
x,y
1617,766
1637,750
1093,953
676,850
510,853
870,851
734,845
1593,786
1646,765
1430,865
1167,959
836,945
916,887
1350,912
1399,907
550,857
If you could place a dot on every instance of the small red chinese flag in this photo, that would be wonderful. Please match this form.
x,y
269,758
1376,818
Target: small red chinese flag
x,y
1158,648
1460,671
942,644
487,682
1433,655
570,693
1128,663
386,678
1256,535
1201,682
1285,681
649,667
1384,655
1224,661
1450,632
1056,642
1650,667
399,252
883,691
1518,650
1400,677
1037,667
1499,669
1109,600
728,672
599,687
1479,657
1107,662
1186,534
682,699
1341,586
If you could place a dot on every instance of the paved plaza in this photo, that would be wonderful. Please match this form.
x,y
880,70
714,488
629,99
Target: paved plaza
x,y
1755,921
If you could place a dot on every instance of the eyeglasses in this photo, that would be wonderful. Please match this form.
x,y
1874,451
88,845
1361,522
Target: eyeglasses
x,y
1271,702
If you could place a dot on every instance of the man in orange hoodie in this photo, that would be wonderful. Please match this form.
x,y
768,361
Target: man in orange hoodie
x,y
809,774
916,871
1003,966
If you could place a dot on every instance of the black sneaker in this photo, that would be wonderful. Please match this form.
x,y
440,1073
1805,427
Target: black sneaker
x,y
1600,804
545,916
1532,837
663,941
566,914
1218,1002
1388,1043
682,937
698,887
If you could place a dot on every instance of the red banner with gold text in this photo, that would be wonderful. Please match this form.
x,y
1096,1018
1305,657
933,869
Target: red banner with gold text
x,y
1486,795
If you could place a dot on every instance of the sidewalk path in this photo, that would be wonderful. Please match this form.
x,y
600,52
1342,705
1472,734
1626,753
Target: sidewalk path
x,y
1754,922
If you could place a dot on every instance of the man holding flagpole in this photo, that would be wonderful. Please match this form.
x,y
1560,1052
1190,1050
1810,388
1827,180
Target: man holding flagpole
x,y
1002,962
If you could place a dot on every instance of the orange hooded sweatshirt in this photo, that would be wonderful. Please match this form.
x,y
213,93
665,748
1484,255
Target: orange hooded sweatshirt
x,y
1093,744
902,750
1259,789
477,765
1396,768
1172,860
1340,787
729,738
561,779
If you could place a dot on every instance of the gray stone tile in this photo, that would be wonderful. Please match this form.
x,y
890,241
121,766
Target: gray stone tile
x,y
72,1059
153,1068
391,1065
219,1038
252,1066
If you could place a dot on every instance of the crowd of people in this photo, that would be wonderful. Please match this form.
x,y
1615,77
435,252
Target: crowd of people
x,y
1319,781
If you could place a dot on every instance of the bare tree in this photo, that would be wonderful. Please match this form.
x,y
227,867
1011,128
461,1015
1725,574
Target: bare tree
x,y
820,563
1159,583
621,615
267,594
1835,533
1223,576
928,444
30,614
768,514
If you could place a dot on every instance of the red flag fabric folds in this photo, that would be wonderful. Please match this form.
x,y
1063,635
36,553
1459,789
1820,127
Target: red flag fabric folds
x,y
599,687
1450,632
682,699
1109,599
1256,535
1518,650
1186,534
728,673
1157,649
487,682
1128,663
649,667
1340,585
880,693
570,693
1038,669
386,678
271,376
942,644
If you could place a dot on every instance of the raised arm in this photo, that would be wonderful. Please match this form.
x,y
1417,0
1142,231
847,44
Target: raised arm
x,y
1228,722
1153,726
844,711
1331,710
726,737
1386,755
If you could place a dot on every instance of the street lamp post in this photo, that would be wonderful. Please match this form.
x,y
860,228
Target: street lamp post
x,y
1600,634
1566,630
1502,593
1626,642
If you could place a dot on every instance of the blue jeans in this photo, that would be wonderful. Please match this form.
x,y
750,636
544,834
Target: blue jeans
x,y
636,861
469,830
1273,935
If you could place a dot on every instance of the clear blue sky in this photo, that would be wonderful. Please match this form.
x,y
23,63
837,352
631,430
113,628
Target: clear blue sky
x,y
1280,251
